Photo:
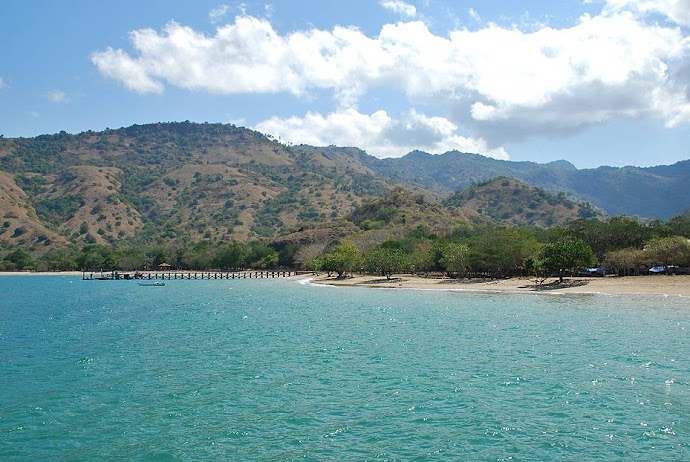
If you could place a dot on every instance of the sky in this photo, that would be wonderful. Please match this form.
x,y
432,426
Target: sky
x,y
594,82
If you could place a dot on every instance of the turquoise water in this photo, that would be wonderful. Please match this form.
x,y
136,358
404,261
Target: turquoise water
x,y
277,370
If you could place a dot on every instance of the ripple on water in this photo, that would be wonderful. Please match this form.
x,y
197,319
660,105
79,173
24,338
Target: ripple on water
x,y
257,370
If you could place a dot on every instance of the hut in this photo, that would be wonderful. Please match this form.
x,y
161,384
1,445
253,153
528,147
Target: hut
x,y
164,267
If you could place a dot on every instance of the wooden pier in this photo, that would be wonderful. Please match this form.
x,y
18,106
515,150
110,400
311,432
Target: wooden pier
x,y
181,275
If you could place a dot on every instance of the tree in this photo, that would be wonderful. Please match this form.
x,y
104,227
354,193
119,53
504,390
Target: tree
x,y
564,255
98,256
343,259
619,232
668,250
625,259
422,258
386,260
286,257
500,250
306,254
532,265
230,256
20,259
680,224
60,260
454,258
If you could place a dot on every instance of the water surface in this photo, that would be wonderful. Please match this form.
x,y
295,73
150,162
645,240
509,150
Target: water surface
x,y
277,370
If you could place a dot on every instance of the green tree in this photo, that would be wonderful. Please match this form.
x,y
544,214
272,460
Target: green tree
x,y
565,255
385,260
60,260
286,257
625,259
668,251
98,256
422,258
343,259
132,258
454,258
619,232
501,250
260,255
20,259
680,224
230,256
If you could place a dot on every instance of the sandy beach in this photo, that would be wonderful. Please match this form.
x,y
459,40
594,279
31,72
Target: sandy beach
x,y
658,284
40,273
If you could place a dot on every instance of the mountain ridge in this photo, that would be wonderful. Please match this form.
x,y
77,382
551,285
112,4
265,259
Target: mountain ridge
x,y
185,182
635,191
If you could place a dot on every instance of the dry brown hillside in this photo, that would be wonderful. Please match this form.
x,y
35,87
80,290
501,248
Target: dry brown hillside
x,y
174,181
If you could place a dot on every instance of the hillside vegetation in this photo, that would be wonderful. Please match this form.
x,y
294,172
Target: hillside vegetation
x,y
213,195
655,192
175,181
515,203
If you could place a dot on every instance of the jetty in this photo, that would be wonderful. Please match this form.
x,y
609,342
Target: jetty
x,y
113,275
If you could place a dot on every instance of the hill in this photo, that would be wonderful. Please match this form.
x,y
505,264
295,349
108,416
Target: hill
x,y
510,202
185,182
172,182
653,192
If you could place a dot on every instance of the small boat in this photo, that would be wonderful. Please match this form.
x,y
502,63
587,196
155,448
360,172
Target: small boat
x,y
153,284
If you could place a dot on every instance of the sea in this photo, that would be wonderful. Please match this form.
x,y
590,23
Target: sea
x,y
282,369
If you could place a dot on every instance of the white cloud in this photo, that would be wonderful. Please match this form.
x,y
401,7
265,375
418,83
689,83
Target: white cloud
x,y
59,96
217,14
501,84
378,133
133,73
240,122
2,83
474,15
400,7
677,11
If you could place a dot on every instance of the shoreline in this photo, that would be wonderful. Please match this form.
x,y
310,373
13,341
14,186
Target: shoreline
x,y
609,285
40,273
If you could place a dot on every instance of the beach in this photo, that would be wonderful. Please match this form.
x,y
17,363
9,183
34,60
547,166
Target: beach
x,y
657,284
41,273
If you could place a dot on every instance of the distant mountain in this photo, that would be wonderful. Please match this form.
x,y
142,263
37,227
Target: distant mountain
x,y
654,192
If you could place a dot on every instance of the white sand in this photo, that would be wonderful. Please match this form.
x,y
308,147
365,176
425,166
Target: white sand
x,y
657,284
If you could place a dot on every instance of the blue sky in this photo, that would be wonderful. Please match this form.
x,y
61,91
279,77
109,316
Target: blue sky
x,y
595,82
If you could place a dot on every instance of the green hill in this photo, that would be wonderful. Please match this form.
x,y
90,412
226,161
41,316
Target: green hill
x,y
510,202
186,182
655,192
172,181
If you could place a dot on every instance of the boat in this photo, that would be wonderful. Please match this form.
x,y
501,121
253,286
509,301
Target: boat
x,y
153,284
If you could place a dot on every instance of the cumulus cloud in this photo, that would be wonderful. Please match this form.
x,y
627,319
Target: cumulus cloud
x,y
133,73
501,84
379,134
58,96
677,11
400,7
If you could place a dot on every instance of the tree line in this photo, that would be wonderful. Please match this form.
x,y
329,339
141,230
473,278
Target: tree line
x,y
620,244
